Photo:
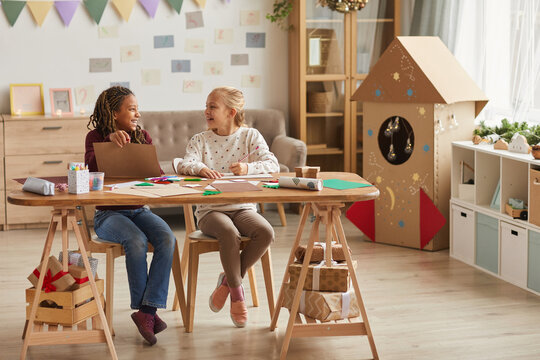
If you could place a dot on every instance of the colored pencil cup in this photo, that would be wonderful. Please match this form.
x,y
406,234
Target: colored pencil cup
x,y
96,180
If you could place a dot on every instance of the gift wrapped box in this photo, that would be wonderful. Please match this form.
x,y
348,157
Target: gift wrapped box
x,y
79,275
324,306
75,258
322,277
319,251
55,278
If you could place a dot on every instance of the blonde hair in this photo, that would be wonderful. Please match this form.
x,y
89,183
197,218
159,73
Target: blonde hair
x,y
233,99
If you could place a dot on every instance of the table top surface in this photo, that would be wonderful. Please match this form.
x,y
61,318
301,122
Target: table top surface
x,y
267,195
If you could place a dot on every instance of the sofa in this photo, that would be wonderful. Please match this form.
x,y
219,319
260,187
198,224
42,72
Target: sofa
x,y
171,131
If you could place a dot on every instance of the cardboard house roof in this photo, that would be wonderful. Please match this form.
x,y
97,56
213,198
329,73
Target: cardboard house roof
x,y
419,69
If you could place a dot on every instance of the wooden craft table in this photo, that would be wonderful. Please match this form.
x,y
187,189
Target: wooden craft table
x,y
325,205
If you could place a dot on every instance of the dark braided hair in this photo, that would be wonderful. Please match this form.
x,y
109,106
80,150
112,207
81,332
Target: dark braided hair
x,y
107,103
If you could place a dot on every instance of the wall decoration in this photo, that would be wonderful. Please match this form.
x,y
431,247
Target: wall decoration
x,y
253,81
239,59
255,40
192,86
150,6
194,46
213,68
100,65
26,99
61,102
163,41
130,53
12,9
124,7
201,3
223,36
39,10
249,17
150,77
85,95
108,32
66,10
176,5
180,66
120,83
95,8
194,19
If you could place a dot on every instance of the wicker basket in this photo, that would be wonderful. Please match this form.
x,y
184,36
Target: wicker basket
x,y
319,102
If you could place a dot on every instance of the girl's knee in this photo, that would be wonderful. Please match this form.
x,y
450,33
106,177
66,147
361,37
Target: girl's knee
x,y
266,235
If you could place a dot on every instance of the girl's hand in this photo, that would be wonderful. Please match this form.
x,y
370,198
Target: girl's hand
x,y
210,174
239,168
120,138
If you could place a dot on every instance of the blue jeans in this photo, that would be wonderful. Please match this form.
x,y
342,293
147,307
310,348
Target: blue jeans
x,y
134,229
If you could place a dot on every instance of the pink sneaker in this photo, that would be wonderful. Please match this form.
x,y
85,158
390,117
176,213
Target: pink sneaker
x,y
219,296
239,313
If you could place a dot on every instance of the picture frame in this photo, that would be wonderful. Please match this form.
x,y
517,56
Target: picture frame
x,y
61,101
26,99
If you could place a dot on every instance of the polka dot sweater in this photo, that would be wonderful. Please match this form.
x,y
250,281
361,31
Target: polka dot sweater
x,y
216,152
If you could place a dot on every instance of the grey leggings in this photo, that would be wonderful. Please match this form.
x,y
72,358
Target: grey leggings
x,y
227,227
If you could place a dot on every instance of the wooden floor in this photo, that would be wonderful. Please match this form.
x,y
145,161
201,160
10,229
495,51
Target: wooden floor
x,y
421,305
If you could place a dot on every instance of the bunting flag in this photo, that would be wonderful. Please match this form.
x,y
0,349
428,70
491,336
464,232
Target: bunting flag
x,y
95,8
124,7
39,10
66,10
150,6
12,9
176,4
201,3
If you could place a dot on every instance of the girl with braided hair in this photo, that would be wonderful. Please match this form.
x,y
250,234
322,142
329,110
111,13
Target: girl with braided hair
x,y
115,119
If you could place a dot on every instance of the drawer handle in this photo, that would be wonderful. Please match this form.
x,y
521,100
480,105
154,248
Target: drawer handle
x,y
514,232
463,214
49,162
52,127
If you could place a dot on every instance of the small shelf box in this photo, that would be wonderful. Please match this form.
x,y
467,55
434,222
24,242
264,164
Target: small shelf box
x,y
73,306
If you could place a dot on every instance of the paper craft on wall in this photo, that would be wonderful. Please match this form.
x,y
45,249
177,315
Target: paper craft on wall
x,y
66,10
61,102
150,77
176,5
108,32
180,66
12,9
130,53
100,65
213,68
201,3
95,8
253,81
39,10
194,46
223,36
249,17
192,86
85,95
124,7
120,83
163,41
239,59
194,20
150,6
255,40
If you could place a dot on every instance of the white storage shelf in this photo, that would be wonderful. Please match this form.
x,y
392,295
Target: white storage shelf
x,y
511,251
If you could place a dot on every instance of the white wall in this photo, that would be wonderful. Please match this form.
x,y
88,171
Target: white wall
x,y
58,56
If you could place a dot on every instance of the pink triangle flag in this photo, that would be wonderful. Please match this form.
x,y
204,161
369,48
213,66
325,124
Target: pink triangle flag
x,y
66,10
150,6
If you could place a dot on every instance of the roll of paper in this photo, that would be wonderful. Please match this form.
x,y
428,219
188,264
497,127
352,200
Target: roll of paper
x,y
39,186
300,183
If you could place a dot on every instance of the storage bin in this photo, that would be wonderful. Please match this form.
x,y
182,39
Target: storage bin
x,y
513,254
487,242
462,234
534,197
533,281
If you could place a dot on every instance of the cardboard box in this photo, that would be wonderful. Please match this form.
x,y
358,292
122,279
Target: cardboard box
x,y
79,275
318,253
324,306
54,279
322,278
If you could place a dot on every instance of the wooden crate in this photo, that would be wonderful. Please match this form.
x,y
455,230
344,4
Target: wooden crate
x,y
74,306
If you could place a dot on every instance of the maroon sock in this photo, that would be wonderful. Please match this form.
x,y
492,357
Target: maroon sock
x,y
237,293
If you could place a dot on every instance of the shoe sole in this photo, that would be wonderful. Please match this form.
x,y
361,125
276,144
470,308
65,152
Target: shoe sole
x,y
237,324
210,304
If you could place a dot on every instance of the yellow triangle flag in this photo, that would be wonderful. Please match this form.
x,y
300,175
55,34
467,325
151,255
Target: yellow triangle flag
x,y
201,3
124,7
39,10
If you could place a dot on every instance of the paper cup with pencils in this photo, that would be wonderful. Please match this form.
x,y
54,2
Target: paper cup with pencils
x,y
78,180
96,180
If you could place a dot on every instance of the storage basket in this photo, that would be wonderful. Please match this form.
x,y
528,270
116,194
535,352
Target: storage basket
x,y
319,102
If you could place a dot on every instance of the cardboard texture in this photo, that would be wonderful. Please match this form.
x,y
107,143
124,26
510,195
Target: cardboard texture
x,y
534,200
130,161
318,253
79,275
323,306
322,278
418,80
54,280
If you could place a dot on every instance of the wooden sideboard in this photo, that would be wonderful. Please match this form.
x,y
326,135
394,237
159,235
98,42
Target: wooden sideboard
x,y
40,145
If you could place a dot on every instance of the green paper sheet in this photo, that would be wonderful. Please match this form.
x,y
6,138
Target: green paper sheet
x,y
95,8
13,9
176,4
343,184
